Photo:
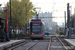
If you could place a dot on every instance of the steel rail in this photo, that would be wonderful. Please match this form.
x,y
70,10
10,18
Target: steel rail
x,y
62,43
12,48
49,44
33,45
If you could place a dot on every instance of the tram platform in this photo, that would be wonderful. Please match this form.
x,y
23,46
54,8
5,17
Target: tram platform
x,y
71,42
10,43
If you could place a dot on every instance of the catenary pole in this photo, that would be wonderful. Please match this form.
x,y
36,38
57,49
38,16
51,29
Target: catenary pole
x,y
74,20
10,18
65,23
68,21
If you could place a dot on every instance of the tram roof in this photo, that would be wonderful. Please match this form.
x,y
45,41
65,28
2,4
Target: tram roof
x,y
36,20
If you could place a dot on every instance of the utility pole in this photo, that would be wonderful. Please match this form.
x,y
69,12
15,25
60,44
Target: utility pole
x,y
65,23
68,22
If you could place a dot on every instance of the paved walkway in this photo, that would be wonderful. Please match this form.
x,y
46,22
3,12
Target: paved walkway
x,y
9,43
70,41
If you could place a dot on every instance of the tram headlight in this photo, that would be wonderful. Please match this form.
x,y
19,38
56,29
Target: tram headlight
x,y
32,33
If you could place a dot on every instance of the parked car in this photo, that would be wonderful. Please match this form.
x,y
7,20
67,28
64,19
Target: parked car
x,y
47,33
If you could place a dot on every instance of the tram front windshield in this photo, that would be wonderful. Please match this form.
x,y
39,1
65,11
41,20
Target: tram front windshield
x,y
36,27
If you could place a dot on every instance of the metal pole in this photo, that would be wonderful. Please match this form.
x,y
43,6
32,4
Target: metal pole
x,y
65,23
70,30
8,22
37,15
74,20
28,25
10,18
68,22
6,26
26,15
0,4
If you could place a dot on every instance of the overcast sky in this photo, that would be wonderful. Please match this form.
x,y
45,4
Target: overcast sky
x,y
56,6
50,5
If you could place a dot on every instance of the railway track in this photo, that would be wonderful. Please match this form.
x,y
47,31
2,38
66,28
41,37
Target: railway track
x,y
40,45
16,46
56,44
53,43
22,44
34,45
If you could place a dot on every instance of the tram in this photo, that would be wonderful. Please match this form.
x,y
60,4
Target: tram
x,y
36,29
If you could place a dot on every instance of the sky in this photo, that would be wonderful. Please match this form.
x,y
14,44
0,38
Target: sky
x,y
57,7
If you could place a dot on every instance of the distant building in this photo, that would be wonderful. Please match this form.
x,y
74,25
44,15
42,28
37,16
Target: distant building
x,y
47,18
